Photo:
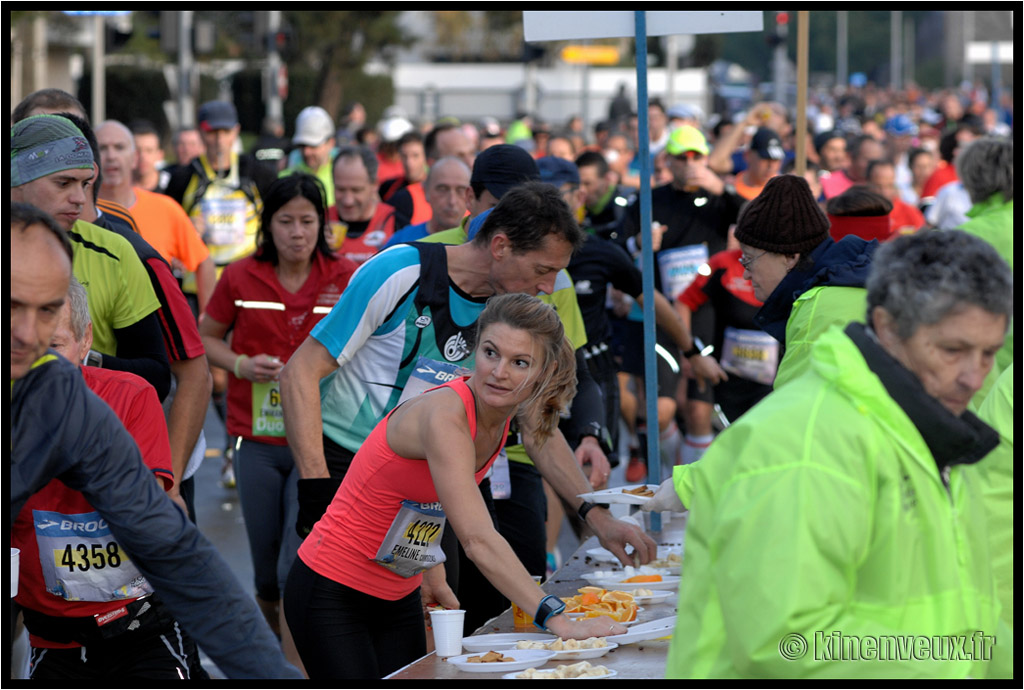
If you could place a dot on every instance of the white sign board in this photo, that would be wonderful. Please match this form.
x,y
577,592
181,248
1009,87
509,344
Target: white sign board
x,y
558,26
982,52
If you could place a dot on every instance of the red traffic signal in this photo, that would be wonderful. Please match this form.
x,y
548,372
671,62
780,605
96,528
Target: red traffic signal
x,y
782,18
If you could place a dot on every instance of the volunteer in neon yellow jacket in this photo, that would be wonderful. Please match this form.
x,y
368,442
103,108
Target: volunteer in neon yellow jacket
x,y
807,281
842,504
985,168
995,473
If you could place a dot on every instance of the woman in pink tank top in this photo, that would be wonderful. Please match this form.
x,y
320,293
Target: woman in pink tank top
x,y
355,596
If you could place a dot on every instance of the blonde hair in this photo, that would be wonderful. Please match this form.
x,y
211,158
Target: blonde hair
x,y
555,386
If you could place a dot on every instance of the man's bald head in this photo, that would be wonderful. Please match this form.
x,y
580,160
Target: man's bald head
x,y
117,156
447,190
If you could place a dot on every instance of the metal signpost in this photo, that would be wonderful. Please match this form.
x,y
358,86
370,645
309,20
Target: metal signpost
x,y
554,26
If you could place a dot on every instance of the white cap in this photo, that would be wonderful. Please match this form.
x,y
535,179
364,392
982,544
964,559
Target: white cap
x,y
313,127
394,128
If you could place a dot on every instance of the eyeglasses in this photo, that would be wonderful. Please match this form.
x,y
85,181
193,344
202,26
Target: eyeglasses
x,y
746,262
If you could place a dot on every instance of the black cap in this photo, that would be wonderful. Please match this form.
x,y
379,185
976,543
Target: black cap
x,y
501,167
767,144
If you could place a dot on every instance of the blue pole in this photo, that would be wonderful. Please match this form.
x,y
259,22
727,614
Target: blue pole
x,y
647,265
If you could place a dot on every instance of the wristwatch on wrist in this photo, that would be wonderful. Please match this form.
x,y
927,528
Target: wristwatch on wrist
x,y
598,431
584,508
549,606
94,359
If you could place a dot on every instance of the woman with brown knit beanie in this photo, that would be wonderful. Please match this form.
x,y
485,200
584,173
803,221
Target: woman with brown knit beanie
x,y
807,281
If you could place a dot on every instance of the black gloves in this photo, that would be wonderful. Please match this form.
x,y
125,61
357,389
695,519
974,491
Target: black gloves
x,y
314,497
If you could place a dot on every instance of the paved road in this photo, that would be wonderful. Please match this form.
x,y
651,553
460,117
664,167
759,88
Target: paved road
x,y
219,515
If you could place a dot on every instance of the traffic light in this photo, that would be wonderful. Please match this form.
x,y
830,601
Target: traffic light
x,y
533,51
115,38
279,41
777,35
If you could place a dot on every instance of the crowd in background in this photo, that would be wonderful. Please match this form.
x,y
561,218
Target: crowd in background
x,y
261,241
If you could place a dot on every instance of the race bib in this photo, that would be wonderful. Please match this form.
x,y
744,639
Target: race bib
x,y
413,543
267,415
679,266
753,355
81,561
224,220
501,481
429,373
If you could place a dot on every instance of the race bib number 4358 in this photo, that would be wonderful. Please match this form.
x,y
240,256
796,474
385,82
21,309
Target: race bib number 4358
x,y
81,561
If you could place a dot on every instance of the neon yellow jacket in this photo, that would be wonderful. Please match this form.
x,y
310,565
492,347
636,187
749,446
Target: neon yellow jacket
x,y
822,511
995,475
814,312
992,221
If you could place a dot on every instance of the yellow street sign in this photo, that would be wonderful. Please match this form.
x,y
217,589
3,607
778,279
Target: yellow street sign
x,y
591,55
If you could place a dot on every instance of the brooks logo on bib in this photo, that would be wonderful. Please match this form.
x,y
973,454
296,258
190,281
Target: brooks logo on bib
x,y
413,543
81,561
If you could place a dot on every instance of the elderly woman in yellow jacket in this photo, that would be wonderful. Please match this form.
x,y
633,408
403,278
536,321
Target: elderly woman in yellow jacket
x,y
838,529
806,280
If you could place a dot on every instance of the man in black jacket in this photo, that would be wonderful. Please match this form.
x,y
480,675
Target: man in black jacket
x,y
60,429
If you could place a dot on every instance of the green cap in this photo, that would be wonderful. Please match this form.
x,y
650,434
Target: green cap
x,y
686,138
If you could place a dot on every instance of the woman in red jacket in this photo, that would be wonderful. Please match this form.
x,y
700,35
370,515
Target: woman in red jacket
x,y
268,302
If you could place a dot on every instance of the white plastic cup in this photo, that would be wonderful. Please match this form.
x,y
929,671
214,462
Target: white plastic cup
x,y
447,625
15,562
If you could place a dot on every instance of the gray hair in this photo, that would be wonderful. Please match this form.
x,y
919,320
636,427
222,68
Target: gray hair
x,y
122,127
985,166
363,153
443,163
78,301
922,278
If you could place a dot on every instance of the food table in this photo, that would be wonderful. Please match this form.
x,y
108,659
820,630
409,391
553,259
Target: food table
x,y
636,660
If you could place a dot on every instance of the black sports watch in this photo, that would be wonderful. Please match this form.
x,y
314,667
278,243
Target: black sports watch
x,y
584,508
599,432
549,606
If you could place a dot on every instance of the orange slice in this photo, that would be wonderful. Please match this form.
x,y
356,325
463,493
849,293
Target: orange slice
x,y
618,597
643,578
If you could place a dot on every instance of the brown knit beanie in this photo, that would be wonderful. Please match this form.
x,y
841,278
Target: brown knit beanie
x,y
783,218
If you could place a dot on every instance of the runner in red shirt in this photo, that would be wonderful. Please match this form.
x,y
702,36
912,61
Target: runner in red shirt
x,y
78,587
269,302
747,353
